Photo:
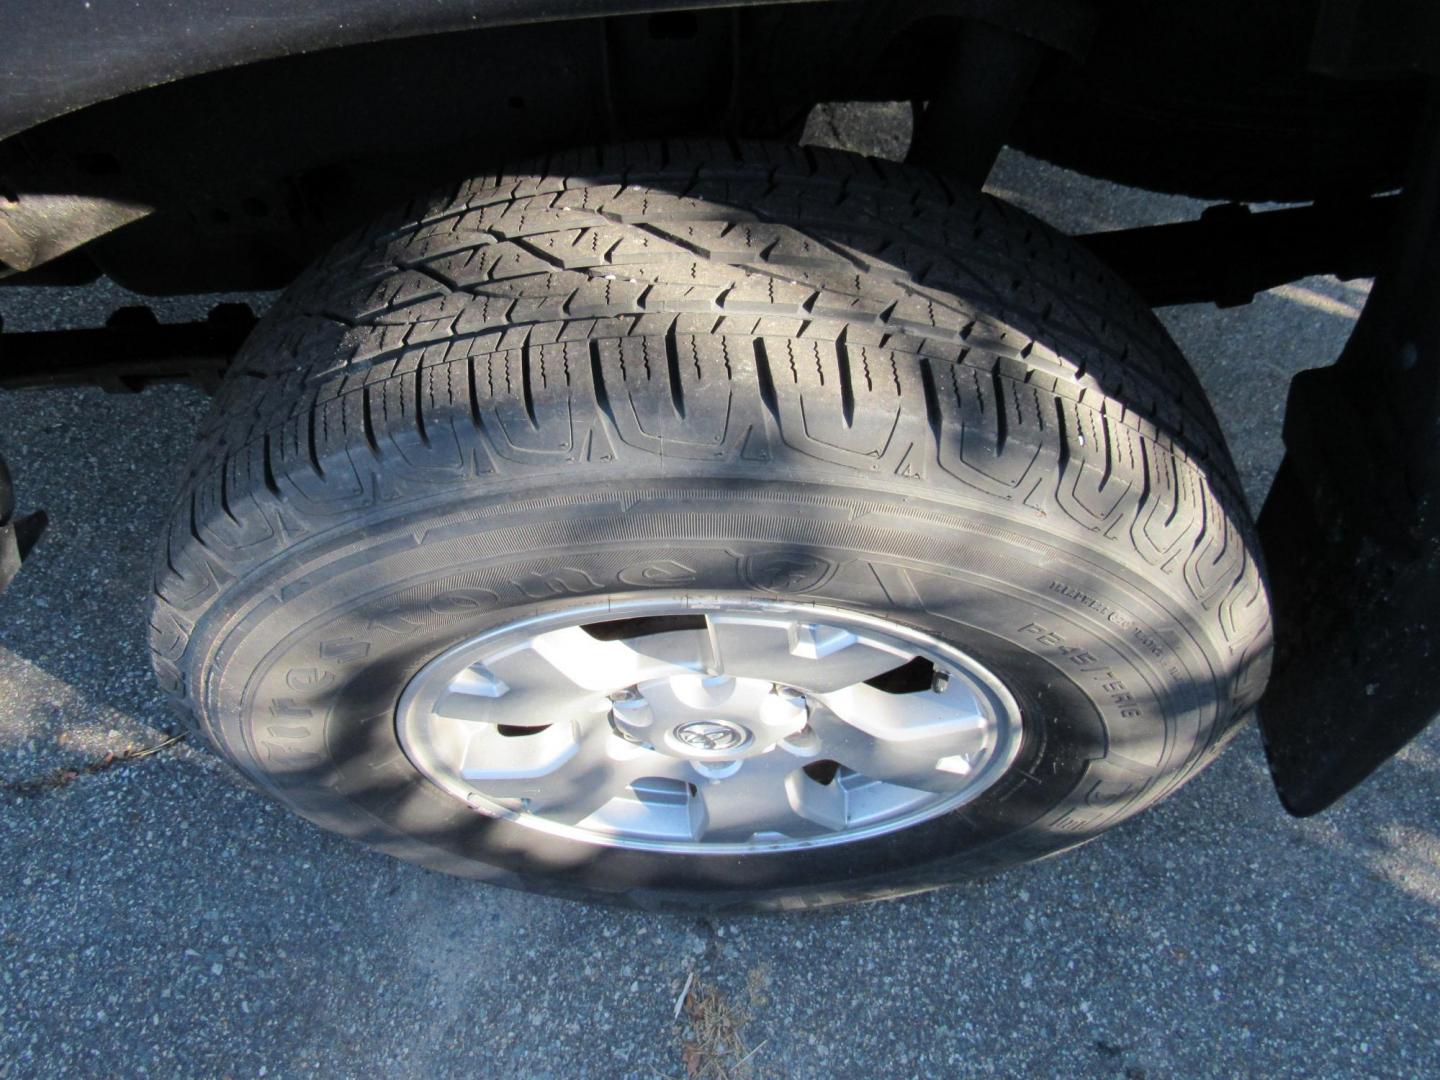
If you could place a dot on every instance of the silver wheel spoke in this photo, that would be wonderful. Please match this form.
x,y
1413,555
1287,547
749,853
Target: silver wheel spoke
x,y
600,767
757,799
805,653
927,740
599,790
492,757
591,664
922,716
537,707
911,764
534,684
809,654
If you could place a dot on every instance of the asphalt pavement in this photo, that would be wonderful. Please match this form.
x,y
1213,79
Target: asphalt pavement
x,y
159,919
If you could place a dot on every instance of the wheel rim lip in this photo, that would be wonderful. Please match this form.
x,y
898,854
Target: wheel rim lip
x,y
1008,731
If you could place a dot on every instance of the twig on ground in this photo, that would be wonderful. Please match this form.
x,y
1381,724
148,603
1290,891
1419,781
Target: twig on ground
x,y
684,992
59,778
752,1053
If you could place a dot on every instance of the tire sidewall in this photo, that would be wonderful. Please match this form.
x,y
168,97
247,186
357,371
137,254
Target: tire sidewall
x,y
1115,683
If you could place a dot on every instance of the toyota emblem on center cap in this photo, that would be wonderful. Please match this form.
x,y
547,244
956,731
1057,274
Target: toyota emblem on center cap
x,y
711,735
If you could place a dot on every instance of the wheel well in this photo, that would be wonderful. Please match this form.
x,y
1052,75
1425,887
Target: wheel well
x,y
250,171
243,175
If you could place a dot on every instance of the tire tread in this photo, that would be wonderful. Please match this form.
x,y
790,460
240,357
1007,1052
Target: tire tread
x,y
611,307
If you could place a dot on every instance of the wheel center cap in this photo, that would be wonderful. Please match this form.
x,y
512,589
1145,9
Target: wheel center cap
x,y
709,738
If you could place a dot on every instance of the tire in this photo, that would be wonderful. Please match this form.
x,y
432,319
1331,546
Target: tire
x,y
752,372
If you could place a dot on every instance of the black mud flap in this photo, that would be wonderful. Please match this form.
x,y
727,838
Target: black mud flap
x,y
17,535
1352,528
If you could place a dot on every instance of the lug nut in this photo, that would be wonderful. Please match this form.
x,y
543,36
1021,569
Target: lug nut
x,y
785,707
630,709
790,695
716,770
804,743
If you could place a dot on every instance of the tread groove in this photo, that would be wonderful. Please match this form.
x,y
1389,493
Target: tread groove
x,y
847,386
672,371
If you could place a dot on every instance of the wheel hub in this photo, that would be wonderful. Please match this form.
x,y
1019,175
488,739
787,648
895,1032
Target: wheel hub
x,y
708,727
708,717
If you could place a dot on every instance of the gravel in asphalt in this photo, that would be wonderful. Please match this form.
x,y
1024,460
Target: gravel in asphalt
x,y
159,919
